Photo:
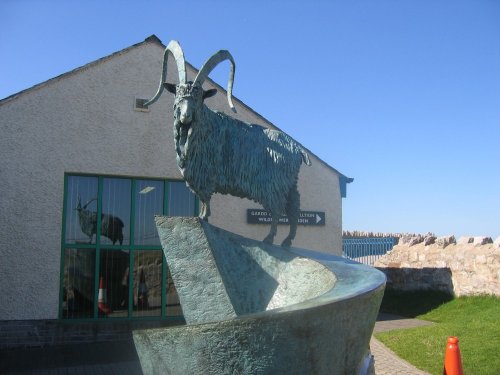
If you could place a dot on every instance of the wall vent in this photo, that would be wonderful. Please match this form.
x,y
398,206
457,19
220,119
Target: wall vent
x,y
139,105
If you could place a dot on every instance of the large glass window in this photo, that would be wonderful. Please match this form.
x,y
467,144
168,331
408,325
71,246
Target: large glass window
x,y
112,262
149,197
181,200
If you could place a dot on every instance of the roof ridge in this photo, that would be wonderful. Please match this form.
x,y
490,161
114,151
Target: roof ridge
x,y
153,38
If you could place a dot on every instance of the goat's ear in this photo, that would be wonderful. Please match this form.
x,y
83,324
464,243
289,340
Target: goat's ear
x,y
209,93
170,87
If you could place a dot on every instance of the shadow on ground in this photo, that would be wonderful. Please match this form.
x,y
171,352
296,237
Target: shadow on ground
x,y
411,304
67,356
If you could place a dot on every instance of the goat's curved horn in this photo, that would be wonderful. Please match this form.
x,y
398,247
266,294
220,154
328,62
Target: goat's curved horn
x,y
176,50
210,64
89,202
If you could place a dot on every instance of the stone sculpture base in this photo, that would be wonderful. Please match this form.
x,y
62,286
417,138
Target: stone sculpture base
x,y
254,308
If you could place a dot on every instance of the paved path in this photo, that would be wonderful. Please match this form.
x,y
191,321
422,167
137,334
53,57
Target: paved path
x,y
121,359
386,361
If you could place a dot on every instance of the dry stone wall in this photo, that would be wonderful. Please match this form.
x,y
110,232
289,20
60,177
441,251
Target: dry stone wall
x,y
469,266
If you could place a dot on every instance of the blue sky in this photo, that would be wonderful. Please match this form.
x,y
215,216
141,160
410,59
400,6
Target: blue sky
x,y
403,96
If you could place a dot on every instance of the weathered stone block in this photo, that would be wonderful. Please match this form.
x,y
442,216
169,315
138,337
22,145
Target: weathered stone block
x,y
481,259
429,240
444,241
478,241
441,264
415,240
464,240
496,243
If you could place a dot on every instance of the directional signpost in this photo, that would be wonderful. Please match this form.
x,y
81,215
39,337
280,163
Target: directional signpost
x,y
256,216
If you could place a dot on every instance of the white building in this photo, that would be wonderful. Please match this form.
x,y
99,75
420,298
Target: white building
x,y
79,137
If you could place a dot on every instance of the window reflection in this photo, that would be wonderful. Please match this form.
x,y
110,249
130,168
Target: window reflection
x,y
148,203
113,283
81,209
78,290
180,199
147,282
115,218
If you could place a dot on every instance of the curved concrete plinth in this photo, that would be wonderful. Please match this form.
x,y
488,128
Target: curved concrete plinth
x,y
253,308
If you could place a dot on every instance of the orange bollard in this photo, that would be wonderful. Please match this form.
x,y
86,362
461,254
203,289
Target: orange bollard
x,y
101,300
452,359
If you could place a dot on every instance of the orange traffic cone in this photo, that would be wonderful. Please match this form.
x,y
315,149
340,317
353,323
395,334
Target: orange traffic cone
x,y
452,359
101,300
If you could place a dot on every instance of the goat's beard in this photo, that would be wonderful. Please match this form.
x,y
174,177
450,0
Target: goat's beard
x,y
181,134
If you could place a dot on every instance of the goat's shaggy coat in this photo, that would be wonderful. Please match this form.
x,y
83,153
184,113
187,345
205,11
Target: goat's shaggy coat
x,y
223,155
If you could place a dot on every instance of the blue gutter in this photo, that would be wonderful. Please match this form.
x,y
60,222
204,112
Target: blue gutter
x,y
343,181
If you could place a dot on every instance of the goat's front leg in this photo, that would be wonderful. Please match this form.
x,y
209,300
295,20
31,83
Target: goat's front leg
x,y
293,213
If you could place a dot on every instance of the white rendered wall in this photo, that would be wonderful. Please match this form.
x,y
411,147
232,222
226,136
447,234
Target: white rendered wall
x,y
84,122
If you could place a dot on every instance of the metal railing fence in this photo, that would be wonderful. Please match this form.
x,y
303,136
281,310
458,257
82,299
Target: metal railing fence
x,y
366,250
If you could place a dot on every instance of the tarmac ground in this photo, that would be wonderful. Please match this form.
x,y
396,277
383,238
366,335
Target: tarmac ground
x,y
118,357
121,358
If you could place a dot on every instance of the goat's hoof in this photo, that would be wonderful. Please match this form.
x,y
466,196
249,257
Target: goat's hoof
x,y
268,240
286,243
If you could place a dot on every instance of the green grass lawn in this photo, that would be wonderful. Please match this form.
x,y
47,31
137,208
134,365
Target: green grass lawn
x,y
474,320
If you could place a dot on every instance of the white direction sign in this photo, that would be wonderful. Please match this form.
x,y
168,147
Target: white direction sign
x,y
258,216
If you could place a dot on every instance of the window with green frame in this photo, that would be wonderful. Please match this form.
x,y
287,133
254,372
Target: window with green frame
x,y
112,264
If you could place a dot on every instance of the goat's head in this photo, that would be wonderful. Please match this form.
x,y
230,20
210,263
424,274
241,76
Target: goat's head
x,y
190,95
79,207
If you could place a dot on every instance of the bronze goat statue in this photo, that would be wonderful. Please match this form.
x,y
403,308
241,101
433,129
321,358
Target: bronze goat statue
x,y
217,153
